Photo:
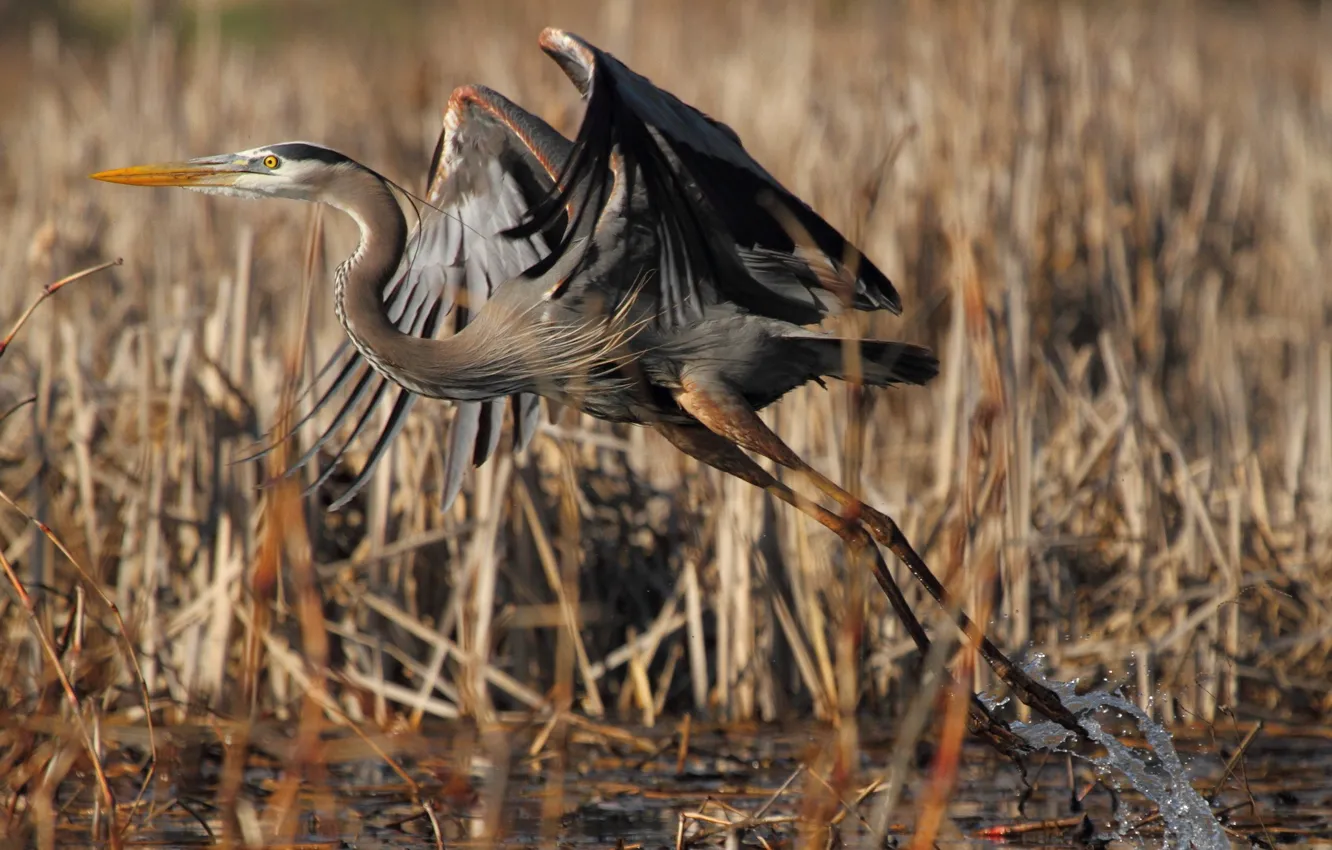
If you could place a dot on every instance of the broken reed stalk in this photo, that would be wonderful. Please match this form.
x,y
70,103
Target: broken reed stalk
x,y
984,479
286,540
47,291
287,660
546,555
29,604
75,708
17,407
123,633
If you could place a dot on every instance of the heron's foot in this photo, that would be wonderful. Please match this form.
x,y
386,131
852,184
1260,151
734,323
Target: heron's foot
x,y
982,723
1041,699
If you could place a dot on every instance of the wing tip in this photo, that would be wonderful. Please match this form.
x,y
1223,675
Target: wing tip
x,y
877,289
554,38
917,365
884,296
574,54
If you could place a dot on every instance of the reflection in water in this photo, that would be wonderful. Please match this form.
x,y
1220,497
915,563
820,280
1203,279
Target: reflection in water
x,y
636,786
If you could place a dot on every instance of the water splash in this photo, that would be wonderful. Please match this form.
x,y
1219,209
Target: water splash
x,y
1159,775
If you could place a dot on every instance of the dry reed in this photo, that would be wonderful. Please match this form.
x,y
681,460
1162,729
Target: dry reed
x,y
1112,224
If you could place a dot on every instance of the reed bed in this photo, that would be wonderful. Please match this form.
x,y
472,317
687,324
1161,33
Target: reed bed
x,y
1112,223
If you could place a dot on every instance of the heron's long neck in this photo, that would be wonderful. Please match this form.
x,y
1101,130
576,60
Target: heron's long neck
x,y
453,368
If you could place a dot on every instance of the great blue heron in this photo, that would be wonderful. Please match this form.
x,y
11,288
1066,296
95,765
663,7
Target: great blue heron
x,y
650,272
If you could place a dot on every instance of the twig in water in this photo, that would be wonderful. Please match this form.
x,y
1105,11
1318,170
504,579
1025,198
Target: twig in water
x,y
1234,761
685,727
1005,830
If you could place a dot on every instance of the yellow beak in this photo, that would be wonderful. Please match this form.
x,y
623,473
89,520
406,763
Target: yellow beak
x,y
206,171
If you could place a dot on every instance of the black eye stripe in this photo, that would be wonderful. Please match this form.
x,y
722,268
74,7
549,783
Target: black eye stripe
x,y
301,150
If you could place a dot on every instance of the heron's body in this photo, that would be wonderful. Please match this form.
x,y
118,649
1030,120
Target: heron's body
x,y
597,347
649,272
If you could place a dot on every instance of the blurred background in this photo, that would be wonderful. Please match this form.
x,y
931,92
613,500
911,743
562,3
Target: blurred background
x,y
1112,221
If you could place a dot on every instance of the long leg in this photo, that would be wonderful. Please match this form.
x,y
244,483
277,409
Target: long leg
x,y
713,450
726,413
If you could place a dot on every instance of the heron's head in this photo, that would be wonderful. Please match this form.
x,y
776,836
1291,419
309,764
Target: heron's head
x,y
297,170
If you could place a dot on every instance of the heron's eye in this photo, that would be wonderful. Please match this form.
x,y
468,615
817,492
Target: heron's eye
x,y
270,161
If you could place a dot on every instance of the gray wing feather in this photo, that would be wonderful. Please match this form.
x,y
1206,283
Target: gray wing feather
x,y
492,163
701,184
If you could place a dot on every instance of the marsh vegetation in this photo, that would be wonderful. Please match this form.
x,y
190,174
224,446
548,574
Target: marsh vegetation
x,y
1113,223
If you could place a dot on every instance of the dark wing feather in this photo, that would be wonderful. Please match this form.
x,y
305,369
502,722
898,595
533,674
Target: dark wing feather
x,y
492,163
781,259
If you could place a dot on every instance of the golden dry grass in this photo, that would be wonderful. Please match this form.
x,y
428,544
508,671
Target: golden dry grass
x,y
1113,224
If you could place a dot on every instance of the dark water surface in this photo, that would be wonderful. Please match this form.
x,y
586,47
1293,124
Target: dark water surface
x,y
626,787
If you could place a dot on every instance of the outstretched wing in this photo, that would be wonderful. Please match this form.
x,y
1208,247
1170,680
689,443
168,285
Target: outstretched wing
x,y
494,161
727,228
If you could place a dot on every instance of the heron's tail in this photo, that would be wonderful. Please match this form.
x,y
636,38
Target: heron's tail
x,y
881,363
